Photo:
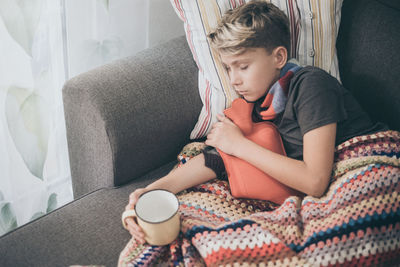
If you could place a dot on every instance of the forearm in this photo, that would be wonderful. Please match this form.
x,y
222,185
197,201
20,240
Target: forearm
x,y
192,173
293,173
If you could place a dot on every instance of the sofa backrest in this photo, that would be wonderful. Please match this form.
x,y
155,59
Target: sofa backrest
x,y
368,47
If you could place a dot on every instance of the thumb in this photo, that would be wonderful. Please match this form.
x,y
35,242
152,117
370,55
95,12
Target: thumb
x,y
223,118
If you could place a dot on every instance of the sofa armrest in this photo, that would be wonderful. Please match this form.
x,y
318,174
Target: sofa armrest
x,y
128,117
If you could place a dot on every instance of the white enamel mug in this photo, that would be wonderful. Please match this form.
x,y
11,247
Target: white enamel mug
x,y
157,214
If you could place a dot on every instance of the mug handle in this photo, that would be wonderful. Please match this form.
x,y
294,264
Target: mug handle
x,y
127,214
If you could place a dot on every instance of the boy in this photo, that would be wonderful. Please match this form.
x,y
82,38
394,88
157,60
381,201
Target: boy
x,y
318,113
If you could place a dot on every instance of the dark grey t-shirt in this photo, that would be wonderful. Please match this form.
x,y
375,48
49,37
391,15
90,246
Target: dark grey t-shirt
x,y
315,99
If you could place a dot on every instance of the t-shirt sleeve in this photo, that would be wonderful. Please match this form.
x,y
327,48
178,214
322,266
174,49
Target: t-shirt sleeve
x,y
319,101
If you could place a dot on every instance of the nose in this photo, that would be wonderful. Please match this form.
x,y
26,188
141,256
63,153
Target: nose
x,y
235,78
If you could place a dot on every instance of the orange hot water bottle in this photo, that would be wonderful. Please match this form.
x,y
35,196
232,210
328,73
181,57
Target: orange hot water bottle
x,y
245,180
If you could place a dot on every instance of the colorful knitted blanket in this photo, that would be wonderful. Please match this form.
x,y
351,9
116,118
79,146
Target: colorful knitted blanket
x,y
355,223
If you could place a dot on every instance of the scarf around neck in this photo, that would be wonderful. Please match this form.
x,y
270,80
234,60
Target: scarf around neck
x,y
275,100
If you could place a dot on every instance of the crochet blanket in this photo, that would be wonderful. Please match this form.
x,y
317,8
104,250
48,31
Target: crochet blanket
x,y
355,223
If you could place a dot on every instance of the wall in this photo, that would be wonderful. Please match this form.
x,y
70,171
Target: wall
x,y
164,23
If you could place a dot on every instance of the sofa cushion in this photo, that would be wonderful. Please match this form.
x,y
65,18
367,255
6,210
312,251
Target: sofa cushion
x,y
86,231
314,27
368,50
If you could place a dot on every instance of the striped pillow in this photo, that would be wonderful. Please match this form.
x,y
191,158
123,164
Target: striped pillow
x,y
313,24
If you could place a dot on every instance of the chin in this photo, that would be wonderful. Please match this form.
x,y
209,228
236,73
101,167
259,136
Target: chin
x,y
249,98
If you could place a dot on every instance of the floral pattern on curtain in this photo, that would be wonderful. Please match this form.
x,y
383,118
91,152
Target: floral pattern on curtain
x,y
34,167
42,44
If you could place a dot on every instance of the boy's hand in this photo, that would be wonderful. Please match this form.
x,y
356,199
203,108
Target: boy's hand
x,y
225,135
133,228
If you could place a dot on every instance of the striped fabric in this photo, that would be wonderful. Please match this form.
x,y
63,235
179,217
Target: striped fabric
x,y
356,222
313,24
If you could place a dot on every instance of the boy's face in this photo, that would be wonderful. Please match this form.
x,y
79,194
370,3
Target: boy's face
x,y
251,73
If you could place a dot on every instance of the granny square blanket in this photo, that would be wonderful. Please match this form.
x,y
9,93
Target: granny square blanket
x,y
355,223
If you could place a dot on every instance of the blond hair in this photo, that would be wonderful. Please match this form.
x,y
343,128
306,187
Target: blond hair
x,y
253,25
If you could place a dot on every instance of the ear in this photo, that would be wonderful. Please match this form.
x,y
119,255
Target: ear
x,y
280,56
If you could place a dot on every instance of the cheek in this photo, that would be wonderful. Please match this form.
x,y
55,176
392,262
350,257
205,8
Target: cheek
x,y
255,76
261,80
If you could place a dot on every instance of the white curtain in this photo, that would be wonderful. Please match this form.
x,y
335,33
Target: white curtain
x,y
43,43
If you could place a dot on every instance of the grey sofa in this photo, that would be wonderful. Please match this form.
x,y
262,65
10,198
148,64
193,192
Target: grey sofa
x,y
127,121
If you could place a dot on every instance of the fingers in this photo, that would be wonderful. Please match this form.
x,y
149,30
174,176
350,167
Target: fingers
x,y
224,119
219,127
209,142
132,226
215,132
135,230
133,197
